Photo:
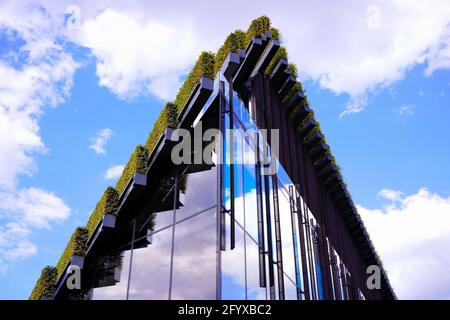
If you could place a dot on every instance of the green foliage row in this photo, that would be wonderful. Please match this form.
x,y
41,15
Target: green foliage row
x,y
108,203
233,43
209,63
137,163
46,284
76,246
204,67
258,28
167,119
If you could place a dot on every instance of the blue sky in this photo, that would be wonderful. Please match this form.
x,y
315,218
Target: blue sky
x,y
376,73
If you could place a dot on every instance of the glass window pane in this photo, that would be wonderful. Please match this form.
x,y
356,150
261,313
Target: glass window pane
x,y
162,214
194,260
286,233
150,270
200,191
233,268
290,289
254,291
112,280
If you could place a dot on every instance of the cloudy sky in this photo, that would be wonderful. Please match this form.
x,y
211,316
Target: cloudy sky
x,y
81,84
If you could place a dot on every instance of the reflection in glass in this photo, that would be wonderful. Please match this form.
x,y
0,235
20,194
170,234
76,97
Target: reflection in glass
x,y
151,268
112,280
200,191
233,268
194,260
254,291
290,288
286,233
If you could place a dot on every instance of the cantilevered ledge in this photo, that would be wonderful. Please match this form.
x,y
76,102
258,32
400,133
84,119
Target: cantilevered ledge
x,y
308,127
165,143
286,87
252,55
196,101
318,151
280,74
231,65
315,138
266,58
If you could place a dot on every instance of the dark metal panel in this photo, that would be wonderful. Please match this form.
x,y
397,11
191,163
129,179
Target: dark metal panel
x,y
300,167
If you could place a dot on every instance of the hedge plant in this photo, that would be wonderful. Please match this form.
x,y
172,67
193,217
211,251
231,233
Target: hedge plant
x,y
137,163
232,44
281,54
167,119
258,28
204,67
108,204
76,246
46,284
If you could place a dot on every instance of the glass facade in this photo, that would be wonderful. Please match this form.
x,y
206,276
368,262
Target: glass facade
x,y
224,231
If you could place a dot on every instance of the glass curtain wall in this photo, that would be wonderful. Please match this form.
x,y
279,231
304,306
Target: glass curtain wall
x,y
259,242
172,253
276,247
340,275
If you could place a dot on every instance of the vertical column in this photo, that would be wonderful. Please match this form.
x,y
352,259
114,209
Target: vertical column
x,y
269,237
259,208
301,224
221,161
298,276
175,201
278,244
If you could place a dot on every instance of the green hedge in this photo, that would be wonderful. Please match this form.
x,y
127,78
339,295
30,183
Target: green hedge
x,y
137,163
204,67
77,246
167,119
281,54
108,204
258,28
46,284
234,42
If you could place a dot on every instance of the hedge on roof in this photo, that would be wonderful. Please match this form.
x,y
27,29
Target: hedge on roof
x,y
46,284
258,28
76,246
234,42
137,163
167,119
281,54
204,67
108,204
296,88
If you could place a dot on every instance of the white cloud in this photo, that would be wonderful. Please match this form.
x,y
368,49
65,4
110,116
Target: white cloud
x,y
14,244
36,73
42,76
389,194
100,140
146,48
26,210
405,110
114,172
138,57
352,58
412,236
36,207
362,46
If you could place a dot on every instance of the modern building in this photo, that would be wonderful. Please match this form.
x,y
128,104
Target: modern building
x,y
258,213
